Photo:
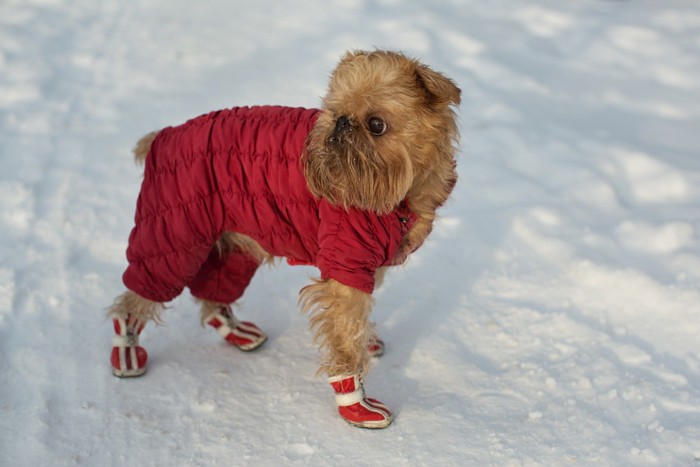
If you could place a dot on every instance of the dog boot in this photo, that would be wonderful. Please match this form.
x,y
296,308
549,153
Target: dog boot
x,y
375,348
128,358
354,407
241,334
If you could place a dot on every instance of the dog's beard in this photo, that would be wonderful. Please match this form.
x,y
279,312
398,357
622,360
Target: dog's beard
x,y
347,170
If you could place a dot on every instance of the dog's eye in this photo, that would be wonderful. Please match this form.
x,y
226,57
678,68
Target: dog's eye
x,y
376,126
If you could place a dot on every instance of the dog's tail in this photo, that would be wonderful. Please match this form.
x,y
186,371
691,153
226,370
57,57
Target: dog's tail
x,y
143,146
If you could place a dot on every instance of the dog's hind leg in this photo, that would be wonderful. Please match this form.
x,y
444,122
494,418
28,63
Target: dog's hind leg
x,y
130,313
221,281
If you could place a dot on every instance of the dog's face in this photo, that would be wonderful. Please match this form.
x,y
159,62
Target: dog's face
x,y
386,124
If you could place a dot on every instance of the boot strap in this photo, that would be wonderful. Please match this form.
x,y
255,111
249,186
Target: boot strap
x,y
130,340
228,323
350,398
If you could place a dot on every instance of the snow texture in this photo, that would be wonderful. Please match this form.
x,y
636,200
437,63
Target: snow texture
x,y
553,318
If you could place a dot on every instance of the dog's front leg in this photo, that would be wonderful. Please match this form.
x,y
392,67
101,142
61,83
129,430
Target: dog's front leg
x,y
339,316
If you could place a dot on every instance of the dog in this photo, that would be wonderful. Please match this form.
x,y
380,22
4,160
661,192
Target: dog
x,y
351,188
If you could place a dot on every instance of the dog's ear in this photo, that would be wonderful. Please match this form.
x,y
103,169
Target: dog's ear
x,y
440,90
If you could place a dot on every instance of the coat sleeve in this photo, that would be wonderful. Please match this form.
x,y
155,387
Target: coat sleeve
x,y
354,244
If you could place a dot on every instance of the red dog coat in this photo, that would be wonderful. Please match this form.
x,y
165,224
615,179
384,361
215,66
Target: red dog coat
x,y
239,170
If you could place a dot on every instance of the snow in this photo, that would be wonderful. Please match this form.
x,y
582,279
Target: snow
x,y
551,319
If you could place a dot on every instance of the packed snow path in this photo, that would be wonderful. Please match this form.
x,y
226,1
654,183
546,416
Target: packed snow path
x,y
552,319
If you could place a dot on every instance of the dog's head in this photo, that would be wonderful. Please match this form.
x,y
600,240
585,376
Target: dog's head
x,y
387,124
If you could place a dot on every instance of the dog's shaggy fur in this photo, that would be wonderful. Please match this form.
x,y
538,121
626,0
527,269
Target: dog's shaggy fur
x,y
387,133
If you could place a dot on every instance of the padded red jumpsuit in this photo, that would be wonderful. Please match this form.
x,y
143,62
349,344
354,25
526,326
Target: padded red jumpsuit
x,y
239,170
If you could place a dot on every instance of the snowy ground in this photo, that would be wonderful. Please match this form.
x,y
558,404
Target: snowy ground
x,y
553,318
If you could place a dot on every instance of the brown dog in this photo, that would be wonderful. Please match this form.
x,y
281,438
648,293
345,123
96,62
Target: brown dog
x,y
351,188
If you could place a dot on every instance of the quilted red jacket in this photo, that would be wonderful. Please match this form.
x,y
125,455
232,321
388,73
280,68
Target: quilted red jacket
x,y
239,170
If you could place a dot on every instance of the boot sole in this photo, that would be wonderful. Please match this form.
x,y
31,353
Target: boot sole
x,y
128,373
252,346
372,425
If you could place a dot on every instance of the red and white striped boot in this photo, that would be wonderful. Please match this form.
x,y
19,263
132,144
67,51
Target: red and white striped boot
x,y
355,407
375,348
128,358
242,334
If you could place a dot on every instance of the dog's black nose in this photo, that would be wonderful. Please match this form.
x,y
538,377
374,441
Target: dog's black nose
x,y
342,123
342,126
